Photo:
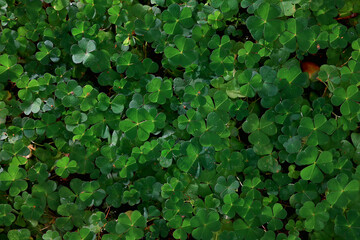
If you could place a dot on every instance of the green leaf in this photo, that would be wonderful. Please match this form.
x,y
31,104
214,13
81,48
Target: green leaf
x,y
264,23
341,190
183,54
7,218
318,163
131,225
205,223
316,217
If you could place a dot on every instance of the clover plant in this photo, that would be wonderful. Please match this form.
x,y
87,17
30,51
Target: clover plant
x,y
179,119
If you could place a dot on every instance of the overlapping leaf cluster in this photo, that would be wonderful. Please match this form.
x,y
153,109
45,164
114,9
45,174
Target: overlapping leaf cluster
x,y
179,119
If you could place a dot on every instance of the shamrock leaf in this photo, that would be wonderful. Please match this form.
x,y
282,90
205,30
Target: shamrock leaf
x,y
159,90
130,224
260,129
118,15
316,131
316,217
9,69
348,225
47,52
232,204
176,19
183,54
129,62
65,167
13,179
186,162
341,190
264,23
51,235
69,93
226,186
7,218
205,223
138,124
273,216
215,19
323,161
347,99
83,52
149,27
19,234
250,82
92,193
249,54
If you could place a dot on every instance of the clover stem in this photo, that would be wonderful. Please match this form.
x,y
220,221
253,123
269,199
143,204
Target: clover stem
x,y
346,61
264,228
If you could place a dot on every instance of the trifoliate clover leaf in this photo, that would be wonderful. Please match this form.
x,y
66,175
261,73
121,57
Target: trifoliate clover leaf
x,y
316,131
290,37
192,122
222,45
249,54
269,163
195,94
83,51
176,19
13,179
6,217
130,224
47,52
183,230
126,165
232,204
230,161
316,217
65,167
264,23
273,216
19,234
250,82
248,229
221,64
205,223
149,27
118,15
225,186
341,190
347,225
9,69
51,235
129,62
260,129
338,37
69,93
186,162
91,193
215,19
349,99
159,90
84,29
139,124
215,125
184,53
292,81
318,163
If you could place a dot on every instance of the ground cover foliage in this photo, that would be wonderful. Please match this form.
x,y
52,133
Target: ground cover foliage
x,y
175,119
